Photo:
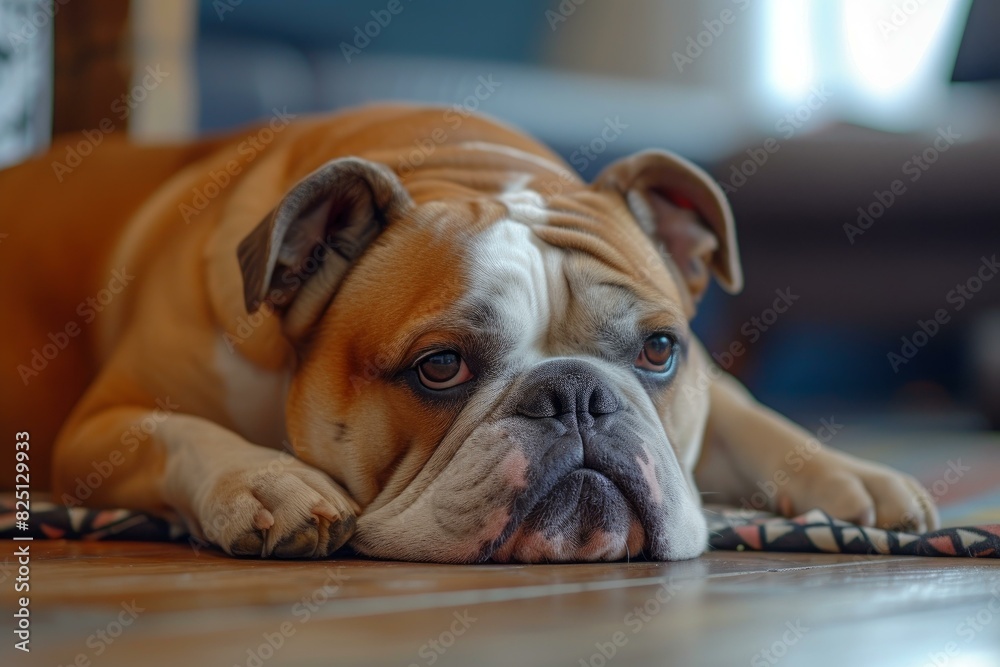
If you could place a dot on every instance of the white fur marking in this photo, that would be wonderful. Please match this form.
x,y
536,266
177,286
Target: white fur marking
x,y
523,277
525,206
254,398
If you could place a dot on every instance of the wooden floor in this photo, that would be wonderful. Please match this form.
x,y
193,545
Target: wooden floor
x,y
135,604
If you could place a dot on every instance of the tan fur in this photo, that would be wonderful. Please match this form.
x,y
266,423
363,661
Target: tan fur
x,y
214,460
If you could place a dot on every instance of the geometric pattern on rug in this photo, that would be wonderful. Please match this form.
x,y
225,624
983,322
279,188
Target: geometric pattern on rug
x,y
729,529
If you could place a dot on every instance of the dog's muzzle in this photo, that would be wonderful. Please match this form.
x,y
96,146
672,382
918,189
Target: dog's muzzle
x,y
587,495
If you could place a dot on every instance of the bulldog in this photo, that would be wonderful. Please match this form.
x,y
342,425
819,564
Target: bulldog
x,y
415,333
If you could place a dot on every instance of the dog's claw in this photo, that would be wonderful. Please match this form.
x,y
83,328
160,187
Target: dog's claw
x,y
295,512
263,519
340,532
324,509
248,544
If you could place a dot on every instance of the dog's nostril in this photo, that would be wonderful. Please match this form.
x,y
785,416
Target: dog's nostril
x,y
602,401
563,386
539,404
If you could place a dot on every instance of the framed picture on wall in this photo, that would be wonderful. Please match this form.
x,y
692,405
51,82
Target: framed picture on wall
x,y
26,28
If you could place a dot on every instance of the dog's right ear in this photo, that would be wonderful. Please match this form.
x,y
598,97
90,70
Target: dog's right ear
x,y
295,259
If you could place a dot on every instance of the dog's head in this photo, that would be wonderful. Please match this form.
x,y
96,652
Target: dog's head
x,y
503,375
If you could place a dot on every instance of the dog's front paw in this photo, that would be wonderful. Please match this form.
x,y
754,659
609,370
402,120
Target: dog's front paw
x,y
284,509
868,494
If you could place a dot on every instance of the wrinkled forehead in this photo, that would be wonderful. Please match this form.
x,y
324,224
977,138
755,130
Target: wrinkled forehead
x,y
557,288
512,272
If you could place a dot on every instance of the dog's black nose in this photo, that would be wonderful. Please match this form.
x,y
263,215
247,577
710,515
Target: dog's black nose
x,y
563,386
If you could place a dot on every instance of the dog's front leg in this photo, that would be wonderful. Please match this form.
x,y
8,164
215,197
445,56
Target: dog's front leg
x,y
760,460
247,499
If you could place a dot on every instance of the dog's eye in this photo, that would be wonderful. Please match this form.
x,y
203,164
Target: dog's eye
x,y
443,370
656,353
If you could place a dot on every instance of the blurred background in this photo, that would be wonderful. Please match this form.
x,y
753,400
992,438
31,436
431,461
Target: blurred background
x,y
859,142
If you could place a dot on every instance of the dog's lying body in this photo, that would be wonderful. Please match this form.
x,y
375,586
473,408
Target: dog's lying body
x,y
473,354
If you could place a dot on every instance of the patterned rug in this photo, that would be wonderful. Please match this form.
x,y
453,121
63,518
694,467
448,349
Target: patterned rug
x,y
961,471
818,532
731,529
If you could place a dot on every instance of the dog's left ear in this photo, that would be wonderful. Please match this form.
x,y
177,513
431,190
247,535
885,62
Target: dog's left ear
x,y
680,205
297,256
